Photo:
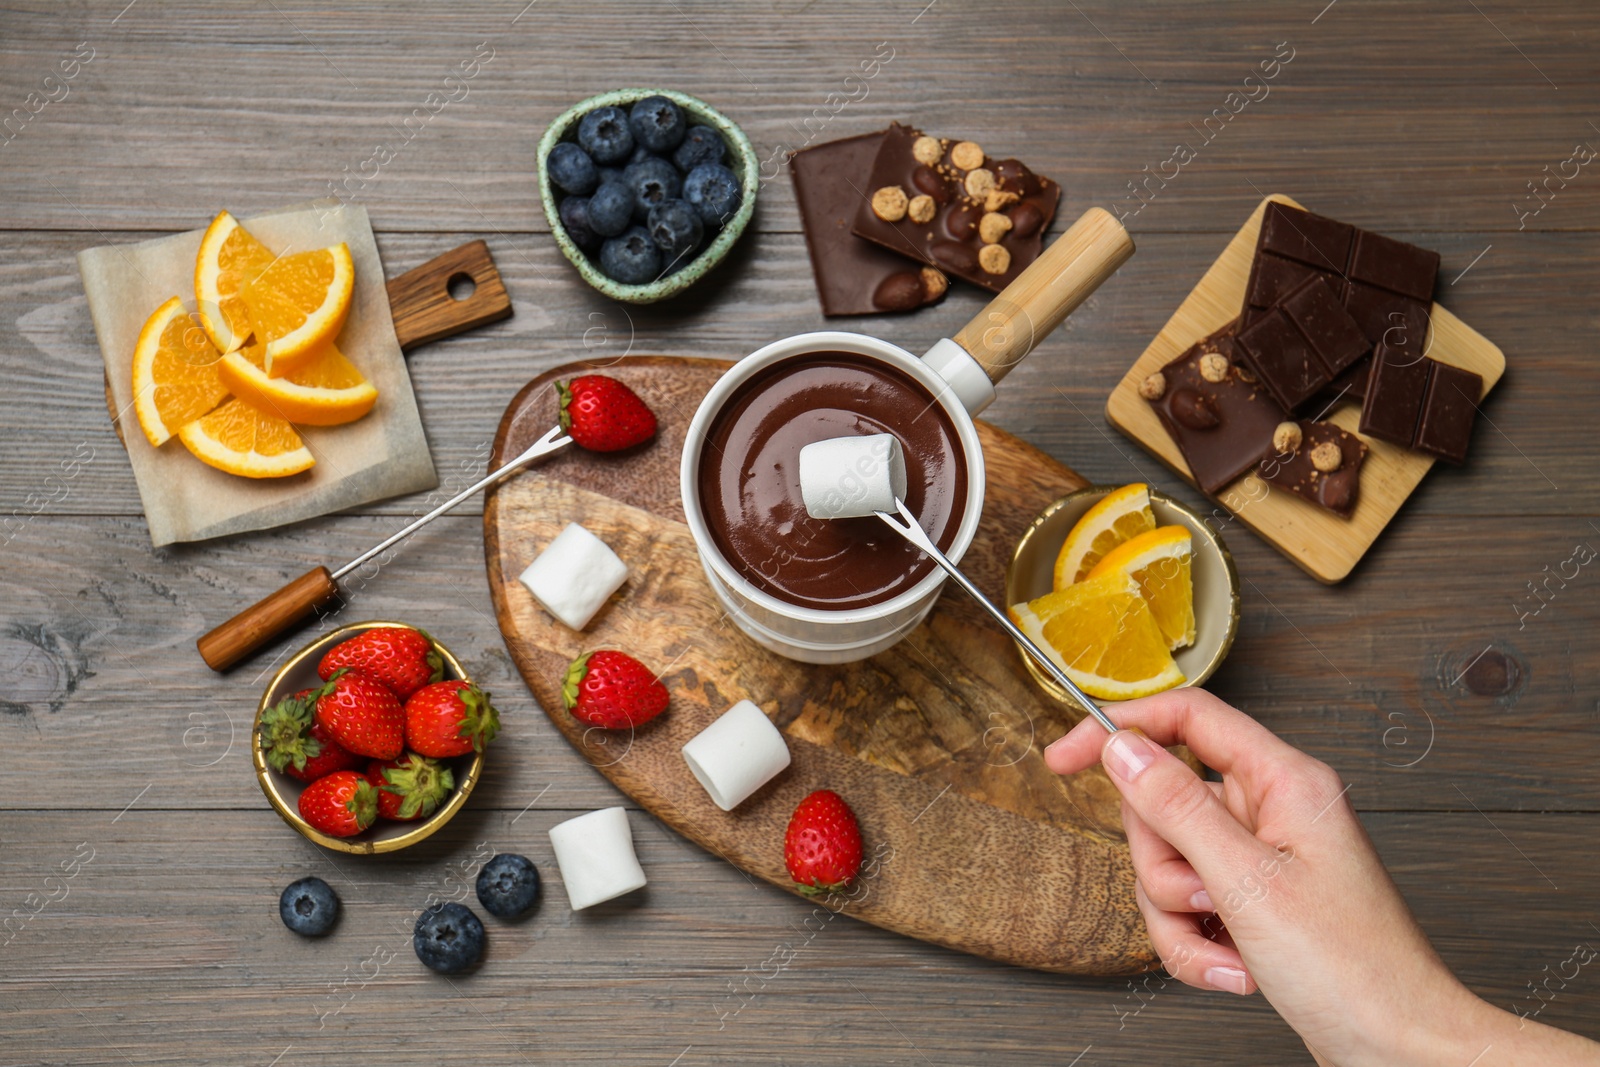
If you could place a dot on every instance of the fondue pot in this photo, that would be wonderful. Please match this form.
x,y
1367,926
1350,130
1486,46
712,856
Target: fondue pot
x,y
960,374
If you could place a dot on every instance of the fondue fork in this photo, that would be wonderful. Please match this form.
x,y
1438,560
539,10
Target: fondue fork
x,y
912,531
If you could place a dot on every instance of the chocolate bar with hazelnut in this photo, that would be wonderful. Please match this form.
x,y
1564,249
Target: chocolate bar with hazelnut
x,y
1317,461
854,277
1220,419
946,204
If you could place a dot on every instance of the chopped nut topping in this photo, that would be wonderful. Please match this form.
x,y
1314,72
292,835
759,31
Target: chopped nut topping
x,y
999,198
1214,367
994,259
921,208
1286,438
1327,457
934,283
927,150
1154,387
967,155
889,203
992,227
979,182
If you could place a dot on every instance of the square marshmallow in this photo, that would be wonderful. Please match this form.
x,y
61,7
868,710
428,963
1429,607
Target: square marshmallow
x,y
574,576
595,855
845,477
736,755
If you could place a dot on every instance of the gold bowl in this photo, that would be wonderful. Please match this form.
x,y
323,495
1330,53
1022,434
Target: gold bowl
x,y
1216,581
300,672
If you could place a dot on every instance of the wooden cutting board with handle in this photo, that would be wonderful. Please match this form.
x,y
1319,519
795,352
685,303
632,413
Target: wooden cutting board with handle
x,y
971,841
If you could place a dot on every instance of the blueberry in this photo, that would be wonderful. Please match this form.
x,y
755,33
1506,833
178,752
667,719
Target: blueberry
x,y
676,230
574,212
700,145
657,123
309,907
632,258
611,209
714,192
610,174
651,182
448,938
571,168
508,885
604,134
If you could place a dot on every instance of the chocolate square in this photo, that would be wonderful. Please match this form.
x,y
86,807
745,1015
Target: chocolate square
x,y
1387,317
1281,358
1273,278
1336,490
1448,412
1394,395
1222,428
1321,242
1394,265
1333,334
950,240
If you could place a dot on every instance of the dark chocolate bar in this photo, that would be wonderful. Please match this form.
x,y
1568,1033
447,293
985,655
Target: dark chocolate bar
x,y
1306,469
1394,395
1281,357
1449,409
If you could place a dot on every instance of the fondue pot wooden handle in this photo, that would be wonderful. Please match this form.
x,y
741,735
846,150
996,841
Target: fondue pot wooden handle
x,y
1053,285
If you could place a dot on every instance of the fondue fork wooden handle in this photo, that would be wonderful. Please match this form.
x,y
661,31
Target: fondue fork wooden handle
x,y
268,619
1063,276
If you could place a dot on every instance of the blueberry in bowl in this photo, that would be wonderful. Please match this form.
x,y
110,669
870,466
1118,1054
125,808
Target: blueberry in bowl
x,y
646,190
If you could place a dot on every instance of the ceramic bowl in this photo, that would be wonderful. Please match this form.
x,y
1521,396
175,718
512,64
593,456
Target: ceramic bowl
x,y
742,161
300,672
1216,581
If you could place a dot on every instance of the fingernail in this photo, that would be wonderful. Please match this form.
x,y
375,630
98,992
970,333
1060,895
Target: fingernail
x,y
1201,901
1228,979
1126,756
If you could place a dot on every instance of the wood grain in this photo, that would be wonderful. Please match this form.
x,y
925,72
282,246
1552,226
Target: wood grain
x,y
423,307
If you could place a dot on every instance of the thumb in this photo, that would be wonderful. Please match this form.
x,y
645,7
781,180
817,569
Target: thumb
x,y
1181,808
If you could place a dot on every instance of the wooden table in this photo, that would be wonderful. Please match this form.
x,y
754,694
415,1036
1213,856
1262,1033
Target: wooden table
x,y
1456,710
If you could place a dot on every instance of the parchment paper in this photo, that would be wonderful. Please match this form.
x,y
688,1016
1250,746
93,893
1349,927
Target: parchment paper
x,y
382,455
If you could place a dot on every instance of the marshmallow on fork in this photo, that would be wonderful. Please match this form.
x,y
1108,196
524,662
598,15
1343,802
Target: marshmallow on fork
x,y
736,755
574,576
595,855
845,477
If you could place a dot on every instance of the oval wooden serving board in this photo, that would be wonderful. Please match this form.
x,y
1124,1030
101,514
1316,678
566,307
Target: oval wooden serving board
x,y
935,743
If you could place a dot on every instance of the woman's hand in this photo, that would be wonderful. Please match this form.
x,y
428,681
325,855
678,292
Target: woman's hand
x,y
1267,880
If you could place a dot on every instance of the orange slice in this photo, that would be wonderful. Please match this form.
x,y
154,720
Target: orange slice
x,y
1102,634
1121,515
229,257
1159,561
242,440
174,373
298,304
327,391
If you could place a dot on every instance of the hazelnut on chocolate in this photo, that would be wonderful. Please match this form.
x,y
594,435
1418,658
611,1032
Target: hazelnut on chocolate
x,y
994,259
967,155
1214,367
1026,219
921,208
979,182
889,203
1154,387
927,150
992,227
1286,438
934,284
1193,409
1327,457
900,291
999,198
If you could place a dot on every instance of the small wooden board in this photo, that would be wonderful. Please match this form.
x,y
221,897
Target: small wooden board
x,y
935,743
1322,544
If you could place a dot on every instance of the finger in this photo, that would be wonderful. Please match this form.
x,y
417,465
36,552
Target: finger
x,y
1168,879
1189,956
1076,750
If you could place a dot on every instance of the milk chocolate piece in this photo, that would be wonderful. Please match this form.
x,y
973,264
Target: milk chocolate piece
x,y
1222,428
853,277
950,240
1281,357
1333,335
1394,395
1336,490
1448,411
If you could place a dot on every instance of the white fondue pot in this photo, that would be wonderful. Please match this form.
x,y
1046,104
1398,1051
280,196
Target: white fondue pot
x,y
961,374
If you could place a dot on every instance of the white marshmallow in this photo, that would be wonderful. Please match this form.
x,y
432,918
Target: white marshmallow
x,y
595,854
574,576
736,755
850,476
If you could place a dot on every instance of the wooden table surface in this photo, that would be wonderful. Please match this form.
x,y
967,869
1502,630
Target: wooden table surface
x,y
1446,693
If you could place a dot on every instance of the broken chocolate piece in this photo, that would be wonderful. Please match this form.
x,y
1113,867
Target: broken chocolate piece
x,y
1333,335
1449,409
1337,489
1393,265
1394,395
1315,240
1280,356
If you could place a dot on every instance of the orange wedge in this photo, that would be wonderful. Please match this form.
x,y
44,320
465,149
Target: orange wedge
x,y
1159,561
175,376
327,391
1121,515
242,440
1101,632
229,257
298,304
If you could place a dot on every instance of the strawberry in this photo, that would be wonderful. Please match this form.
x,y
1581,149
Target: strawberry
x,y
612,690
398,657
362,715
822,847
295,745
603,415
341,804
450,719
410,787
